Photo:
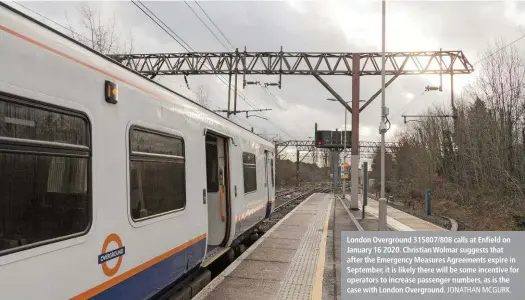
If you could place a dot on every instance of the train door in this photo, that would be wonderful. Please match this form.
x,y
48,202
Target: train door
x,y
269,177
218,182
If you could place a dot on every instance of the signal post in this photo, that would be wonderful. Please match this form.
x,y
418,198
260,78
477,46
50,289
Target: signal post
x,y
333,140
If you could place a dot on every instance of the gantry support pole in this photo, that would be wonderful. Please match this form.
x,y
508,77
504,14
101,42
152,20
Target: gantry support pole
x,y
229,95
452,92
355,133
297,169
235,97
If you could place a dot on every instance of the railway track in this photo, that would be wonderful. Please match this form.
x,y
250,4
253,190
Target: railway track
x,y
287,203
284,192
294,194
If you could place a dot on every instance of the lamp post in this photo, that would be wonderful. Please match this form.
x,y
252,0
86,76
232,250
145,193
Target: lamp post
x,y
344,145
382,226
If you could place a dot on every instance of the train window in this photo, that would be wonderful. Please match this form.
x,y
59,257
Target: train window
x,y
44,166
158,183
212,164
250,172
145,141
271,169
19,121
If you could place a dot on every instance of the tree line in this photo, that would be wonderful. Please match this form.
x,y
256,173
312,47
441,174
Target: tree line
x,y
474,162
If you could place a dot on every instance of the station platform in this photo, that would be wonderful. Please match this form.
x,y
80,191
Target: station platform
x,y
397,220
299,257
288,262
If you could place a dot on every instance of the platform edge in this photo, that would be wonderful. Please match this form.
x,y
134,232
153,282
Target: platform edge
x,y
217,280
317,291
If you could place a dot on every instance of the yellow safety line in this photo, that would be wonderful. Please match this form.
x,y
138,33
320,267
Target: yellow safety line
x,y
317,291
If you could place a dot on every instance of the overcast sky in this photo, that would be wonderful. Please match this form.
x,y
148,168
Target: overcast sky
x,y
326,26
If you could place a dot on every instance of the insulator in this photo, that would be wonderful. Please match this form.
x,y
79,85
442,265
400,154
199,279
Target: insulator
x,y
432,88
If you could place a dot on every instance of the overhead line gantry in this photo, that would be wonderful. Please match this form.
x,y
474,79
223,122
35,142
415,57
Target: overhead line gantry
x,y
366,150
316,64
309,145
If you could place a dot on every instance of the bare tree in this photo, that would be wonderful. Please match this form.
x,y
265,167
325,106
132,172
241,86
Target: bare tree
x,y
101,36
475,163
202,96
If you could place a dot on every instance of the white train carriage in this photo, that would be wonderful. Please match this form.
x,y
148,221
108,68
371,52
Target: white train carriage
x,y
112,186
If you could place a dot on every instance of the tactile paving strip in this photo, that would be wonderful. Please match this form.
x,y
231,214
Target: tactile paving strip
x,y
299,278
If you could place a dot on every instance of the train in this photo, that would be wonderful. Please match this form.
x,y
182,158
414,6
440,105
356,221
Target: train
x,y
113,186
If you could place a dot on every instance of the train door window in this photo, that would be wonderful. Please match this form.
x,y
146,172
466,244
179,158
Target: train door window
x,y
212,164
271,169
250,172
157,164
44,174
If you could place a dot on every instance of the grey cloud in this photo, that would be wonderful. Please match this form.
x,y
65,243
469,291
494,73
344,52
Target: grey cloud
x,y
311,26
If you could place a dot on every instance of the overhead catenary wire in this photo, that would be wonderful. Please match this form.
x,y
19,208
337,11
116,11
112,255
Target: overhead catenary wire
x,y
55,22
177,38
188,48
496,52
230,43
233,48
223,35
216,37
477,62
81,37
402,110
499,50
84,39
240,93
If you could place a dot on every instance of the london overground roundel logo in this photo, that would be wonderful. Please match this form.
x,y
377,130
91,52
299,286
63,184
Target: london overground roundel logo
x,y
106,255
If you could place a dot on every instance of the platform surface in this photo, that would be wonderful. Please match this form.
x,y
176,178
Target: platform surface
x,y
398,220
288,262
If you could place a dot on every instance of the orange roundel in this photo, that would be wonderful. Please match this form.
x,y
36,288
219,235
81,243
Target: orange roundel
x,y
106,255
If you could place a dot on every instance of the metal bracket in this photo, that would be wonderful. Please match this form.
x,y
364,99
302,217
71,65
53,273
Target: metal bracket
x,y
377,93
333,92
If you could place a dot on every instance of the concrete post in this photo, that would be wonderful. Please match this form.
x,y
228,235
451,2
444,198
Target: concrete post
x,y
382,215
365,188
335,170
344,159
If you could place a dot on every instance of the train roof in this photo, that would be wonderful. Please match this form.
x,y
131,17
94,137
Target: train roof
x,y
25,16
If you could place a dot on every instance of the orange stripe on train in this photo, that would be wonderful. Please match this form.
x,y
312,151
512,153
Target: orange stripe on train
x,y
114,281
